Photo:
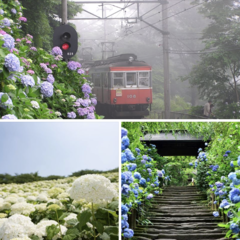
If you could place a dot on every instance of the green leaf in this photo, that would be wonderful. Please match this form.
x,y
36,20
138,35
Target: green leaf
x,y
2,54
105,236
34,237
99,226
72,222
114,236
228,234
223,225
113,205
73,231
63,216
111,229
69,237
52,231
83,218
4,98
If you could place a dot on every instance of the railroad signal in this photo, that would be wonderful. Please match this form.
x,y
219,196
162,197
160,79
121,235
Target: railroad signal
x,y
66,38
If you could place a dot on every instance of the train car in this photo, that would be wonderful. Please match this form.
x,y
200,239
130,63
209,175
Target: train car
x,y
123,86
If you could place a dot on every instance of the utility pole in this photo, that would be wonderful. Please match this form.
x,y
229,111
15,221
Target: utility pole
x,y
64,11
104,55
166,61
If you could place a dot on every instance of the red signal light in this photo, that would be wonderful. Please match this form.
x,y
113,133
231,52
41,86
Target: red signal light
x,y
65,46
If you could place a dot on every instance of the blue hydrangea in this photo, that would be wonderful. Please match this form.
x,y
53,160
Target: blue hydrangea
x,y
225,155
125,142
238,161
218,184
50,78
231,164
216,214
135,191
215,168
145,157
128,177
228,151
12,63
235,228
10,117
124,132
123,178
131,167
190,164
148,179
6,22
123,157
124,209
129,155
159,173
128,233
124,222
71,115
6,104
234,195
142,182
163,171
137,150
156,183
231,176
156,192
224,203
9,41
230,214
27,80
125,189
13,10
137,175
215,202
47,89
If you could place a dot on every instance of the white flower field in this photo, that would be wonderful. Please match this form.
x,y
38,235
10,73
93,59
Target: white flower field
x,y
69,209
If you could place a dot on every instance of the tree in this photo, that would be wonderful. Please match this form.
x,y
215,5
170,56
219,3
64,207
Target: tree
x,y
217,74
43,16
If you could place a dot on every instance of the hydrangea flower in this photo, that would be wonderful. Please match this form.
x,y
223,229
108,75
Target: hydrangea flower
x,y
81,71
125,189
12,63
128,177
129,154
235,228
27,80
47,89
224,203
124,132
218,184
128,233
72,65
6,22
125,142
9,41
90,115
142,182
1,12
216,214
35,104
57,51
92,188
94,101
86,88
13,10
149,196
131,167
234,195
137,175
23,19
71,115
82,111
50,78
10,117
124,209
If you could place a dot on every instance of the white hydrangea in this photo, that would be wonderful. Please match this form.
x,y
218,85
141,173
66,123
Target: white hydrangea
x,y
41,228
22,208
31,198
71,216
17,226
42,197
2,220
63,196
93,188
58,114
35,104
41,207
24,238
11,199
5,205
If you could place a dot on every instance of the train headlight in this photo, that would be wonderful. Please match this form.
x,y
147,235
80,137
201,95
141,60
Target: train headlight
x,y
114,100
130,59
148,99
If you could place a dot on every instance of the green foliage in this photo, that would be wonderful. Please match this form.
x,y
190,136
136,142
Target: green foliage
x,y
43,19
84,172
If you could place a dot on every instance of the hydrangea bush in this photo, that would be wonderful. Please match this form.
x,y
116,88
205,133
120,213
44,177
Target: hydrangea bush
x,y
31,77
55,210
139,180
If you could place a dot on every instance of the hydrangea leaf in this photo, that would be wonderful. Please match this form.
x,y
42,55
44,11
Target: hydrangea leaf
x,y
2,54
83,218
113,205
4,98
52,231
69,237
114,236
73,231
72,222
98,225
34,237
105,236
63,216
111,229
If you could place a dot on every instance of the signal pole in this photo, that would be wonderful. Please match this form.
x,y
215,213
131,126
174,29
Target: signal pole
x,y
64,11
166,61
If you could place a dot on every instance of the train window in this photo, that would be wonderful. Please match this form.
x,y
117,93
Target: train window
x,y
131,79
143,79
118,80
97,80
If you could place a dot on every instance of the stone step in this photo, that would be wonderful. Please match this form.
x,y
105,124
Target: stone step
x,y
156,214
176,203
184,219
180,225
175,210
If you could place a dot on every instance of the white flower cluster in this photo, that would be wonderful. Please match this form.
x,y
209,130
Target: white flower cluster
x,y
92,188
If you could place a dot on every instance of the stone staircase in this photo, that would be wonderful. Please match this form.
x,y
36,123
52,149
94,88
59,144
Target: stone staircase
x,y
180,213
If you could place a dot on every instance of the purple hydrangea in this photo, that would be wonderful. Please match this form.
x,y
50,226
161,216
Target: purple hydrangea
x,y
94,101
57,51
10,117
6,22
1,12
85,102
81,71
86,88
149,196
12,62
33,49
9,41
13,10
48,70
47,89
27,80
50,78
91,115
82,111
7,103
23,19
72,65
78,64
71,115
91,109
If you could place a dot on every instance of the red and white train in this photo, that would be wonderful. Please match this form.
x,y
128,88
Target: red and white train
x,y
123,86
